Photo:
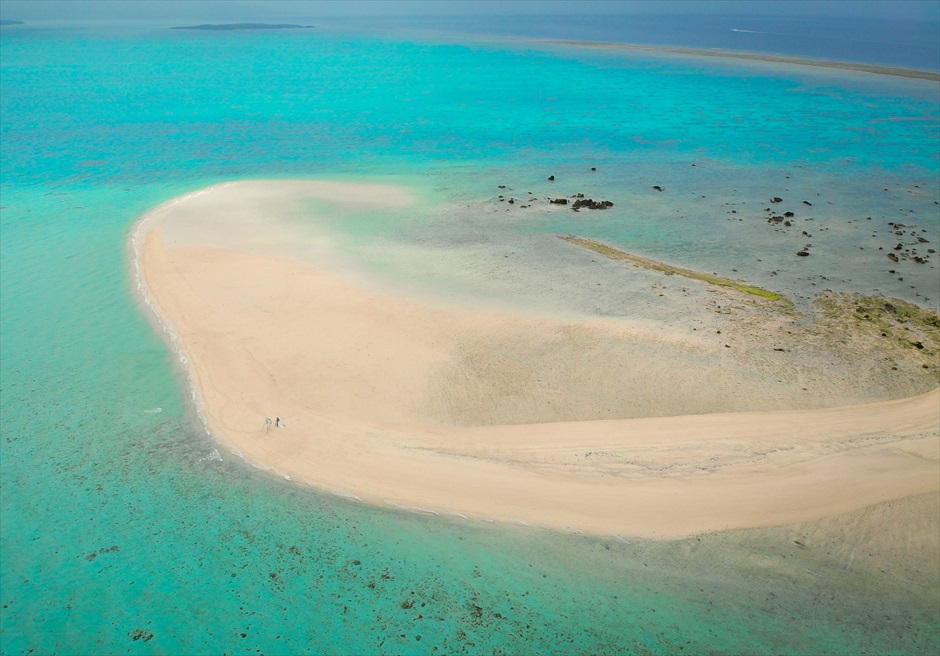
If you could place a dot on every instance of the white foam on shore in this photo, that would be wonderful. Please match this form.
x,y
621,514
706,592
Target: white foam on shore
x,y
343,494
411,509
138,235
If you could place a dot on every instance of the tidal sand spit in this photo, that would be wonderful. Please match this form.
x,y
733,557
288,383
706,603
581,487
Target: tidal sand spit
x,y
301,366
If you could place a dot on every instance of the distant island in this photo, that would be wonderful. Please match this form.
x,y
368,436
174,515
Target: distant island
x,y
225,27
10,22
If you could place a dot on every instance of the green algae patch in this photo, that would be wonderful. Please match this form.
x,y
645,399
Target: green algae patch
x,y
896,323
668,269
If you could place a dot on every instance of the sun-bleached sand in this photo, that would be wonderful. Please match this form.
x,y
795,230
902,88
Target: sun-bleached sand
x,y
476,411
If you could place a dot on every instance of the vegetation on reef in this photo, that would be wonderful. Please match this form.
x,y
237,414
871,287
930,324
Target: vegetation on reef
x,y
655,265
849,323
901,324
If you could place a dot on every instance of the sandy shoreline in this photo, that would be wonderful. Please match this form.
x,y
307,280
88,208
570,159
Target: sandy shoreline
x,y
895,71
404,402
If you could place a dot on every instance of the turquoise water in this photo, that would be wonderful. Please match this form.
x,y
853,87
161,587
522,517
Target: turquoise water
x,y
125,530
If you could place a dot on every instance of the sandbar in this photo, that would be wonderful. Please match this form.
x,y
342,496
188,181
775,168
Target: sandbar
x,y
438,407
896,71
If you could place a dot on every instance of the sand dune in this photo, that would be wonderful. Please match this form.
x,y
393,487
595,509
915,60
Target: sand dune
x,y
376,391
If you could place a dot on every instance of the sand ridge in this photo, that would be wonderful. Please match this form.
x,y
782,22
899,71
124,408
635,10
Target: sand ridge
x,y
485,413
896,71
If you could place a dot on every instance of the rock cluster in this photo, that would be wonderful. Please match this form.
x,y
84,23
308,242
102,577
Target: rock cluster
x,y
580,203
908,253
782,218
591,204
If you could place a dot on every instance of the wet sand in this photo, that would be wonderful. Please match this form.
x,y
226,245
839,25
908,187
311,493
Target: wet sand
x,y
601,425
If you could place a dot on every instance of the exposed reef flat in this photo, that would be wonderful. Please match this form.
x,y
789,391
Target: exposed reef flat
x,y
844,323
897,326
752,56
230,27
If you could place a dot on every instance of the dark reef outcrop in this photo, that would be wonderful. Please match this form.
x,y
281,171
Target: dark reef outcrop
x,y
591,204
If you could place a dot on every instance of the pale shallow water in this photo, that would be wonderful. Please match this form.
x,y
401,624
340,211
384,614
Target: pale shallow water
x,y
124,522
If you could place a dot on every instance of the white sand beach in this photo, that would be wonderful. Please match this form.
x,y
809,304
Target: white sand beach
x,y
601,425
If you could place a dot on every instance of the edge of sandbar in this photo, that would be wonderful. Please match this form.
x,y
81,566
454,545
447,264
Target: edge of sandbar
x,y
896,71
613,501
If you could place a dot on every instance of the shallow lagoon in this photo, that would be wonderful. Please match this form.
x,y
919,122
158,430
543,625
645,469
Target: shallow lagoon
x,y
100,448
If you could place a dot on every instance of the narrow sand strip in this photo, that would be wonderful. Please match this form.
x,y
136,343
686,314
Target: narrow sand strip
x,y
896,71
368,388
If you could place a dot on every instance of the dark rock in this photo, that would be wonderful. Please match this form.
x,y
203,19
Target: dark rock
x,y
788,214
141,634
593,168
892,257
559,201
591,204
806,202
551,178
802,253
776,199
657,188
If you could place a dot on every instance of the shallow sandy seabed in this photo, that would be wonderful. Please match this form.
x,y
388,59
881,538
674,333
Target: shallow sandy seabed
x,y
604,425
